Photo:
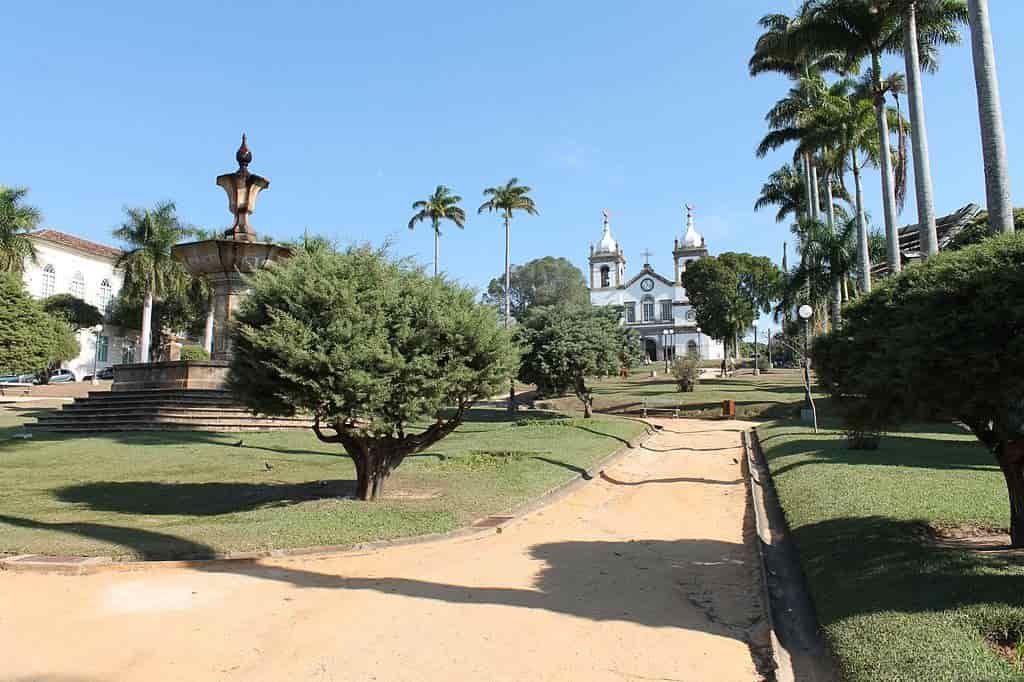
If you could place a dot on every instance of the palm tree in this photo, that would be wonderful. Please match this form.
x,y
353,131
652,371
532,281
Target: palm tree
x,y
441,205
205,291
785,189
16,219
148,268
506,199
868,29
990,111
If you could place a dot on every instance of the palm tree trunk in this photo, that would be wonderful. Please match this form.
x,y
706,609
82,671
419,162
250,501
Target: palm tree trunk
x,y
885,152
837,286
919,137
147,327
990,112
863,258
807,186
508,303
815,193
437,238
208,333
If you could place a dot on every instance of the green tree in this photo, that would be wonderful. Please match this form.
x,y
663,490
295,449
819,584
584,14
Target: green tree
x,y
563,345
16,220
387,358
149,270
441,205
892,362
31,340
990,113
73,310
541,282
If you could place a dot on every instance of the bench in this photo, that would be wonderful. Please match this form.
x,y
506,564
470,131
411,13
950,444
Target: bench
x,y
661,406
15,388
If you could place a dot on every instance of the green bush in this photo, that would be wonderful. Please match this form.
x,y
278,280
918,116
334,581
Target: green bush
x,y
31,340
192,352
686,371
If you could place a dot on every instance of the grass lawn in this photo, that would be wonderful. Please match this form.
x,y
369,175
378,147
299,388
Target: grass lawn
x,y
895,604
774,394
168,495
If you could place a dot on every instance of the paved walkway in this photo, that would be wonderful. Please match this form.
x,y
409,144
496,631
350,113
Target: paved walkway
x,y
645,574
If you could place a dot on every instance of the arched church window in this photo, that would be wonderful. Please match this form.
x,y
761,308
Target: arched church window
x,y
666,311
49,283
691,348
106,296
647,308
78,285
605,276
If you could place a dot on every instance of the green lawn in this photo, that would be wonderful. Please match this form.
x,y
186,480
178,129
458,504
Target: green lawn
x,y
894,604
774,394
164,495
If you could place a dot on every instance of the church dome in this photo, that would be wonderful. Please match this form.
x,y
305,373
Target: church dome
x,y
692,239
607,243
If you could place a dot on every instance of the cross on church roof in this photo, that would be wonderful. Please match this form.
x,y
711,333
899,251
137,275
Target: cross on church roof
x,y
647,256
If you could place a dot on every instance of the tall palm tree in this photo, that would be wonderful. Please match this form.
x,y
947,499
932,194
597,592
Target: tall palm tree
x,y
148,268
16,219
990,111
786,189
506,199
441,205
205,291
940,20
869,29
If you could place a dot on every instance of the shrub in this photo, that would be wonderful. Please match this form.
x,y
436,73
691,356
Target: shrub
x,y
193,352
31,341
686,371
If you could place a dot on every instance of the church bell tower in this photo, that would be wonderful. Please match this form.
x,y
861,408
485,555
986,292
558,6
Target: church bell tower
x,y
689,248
607,262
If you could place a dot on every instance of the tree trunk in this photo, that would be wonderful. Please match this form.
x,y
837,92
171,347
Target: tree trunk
x,y
1010,456
885,153
147,327
372,470
208,330
863,257
837,286
990,113
807,185
919,137
815,191
585,397
437,238
508,304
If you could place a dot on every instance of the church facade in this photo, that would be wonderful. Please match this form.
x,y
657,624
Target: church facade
x,y
654,305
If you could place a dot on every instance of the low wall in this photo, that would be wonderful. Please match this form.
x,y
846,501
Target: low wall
x,y
176,374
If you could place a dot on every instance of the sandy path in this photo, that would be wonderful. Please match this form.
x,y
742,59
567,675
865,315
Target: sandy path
x,y
643,574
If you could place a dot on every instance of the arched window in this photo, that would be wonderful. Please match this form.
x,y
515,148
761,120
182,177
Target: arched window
x,y
49,283
647,308
605,277
106,296
78,285
691,348
666,311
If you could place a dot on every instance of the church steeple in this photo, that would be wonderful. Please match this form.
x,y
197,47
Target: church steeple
x,y
607,262
690,248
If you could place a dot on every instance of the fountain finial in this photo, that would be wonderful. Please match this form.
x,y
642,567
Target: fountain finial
x,y
243,155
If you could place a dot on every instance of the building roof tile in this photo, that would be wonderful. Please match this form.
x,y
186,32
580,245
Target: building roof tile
x,y
72,242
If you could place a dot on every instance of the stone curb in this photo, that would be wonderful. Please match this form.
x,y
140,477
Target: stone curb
x,y
75,565
798,649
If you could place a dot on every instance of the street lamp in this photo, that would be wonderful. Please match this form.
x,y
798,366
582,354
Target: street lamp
x,y
666,340
757,363
768,345
806,312
96,355
700,344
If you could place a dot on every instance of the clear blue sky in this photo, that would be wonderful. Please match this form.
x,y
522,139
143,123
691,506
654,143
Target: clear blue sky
x,y
356,109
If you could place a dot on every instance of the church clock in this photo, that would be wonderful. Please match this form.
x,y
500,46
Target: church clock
x,y
647,284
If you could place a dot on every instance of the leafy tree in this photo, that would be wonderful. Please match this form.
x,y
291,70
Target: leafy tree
x,y
686,371
892,362
150,272
31,340
441,205
541,282
16,219
728,291
980,229
387,358
563,345
73,310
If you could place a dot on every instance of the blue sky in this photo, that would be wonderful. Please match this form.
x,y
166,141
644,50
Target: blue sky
x,y
356,109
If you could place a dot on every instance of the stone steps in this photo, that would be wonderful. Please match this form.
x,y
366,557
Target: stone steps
x,y
160,410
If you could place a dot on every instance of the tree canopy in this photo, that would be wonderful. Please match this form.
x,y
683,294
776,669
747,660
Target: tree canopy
x,y
31,340
73,310
16,220
543,281
563,345
387,358
730,290
894,361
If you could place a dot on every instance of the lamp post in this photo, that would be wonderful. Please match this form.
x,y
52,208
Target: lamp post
x,y
700,344
757,369
666,335
96,354
806,312
768,345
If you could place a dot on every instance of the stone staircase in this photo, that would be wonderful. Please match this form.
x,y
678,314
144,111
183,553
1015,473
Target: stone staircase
x,y
160,410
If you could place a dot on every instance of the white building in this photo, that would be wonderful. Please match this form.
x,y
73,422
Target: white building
x,y
66,264
653,303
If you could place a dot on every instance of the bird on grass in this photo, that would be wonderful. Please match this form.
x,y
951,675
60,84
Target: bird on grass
x,y
268,466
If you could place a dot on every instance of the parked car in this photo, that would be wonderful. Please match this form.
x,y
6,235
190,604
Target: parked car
x,y
105,374
19,379
62,376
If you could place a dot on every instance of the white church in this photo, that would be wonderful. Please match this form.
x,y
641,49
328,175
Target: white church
x,y
655,306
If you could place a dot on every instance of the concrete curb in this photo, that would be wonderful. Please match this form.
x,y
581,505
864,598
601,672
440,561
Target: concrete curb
x,y
76,565
798,649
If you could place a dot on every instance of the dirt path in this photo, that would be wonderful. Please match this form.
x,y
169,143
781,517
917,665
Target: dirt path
x,y
644,574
